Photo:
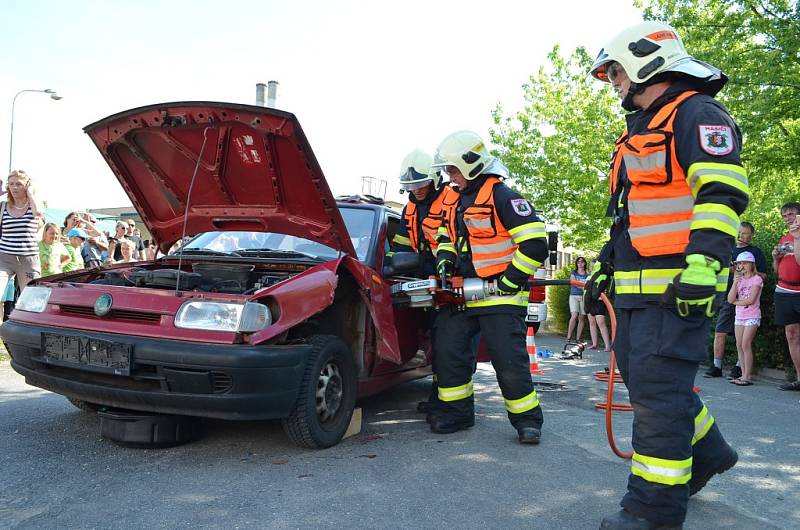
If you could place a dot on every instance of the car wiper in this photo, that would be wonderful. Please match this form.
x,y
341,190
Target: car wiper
x,y
204,251
275,253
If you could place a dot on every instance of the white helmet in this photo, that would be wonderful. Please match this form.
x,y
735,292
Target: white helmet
x,y
651,48
415,172
466,151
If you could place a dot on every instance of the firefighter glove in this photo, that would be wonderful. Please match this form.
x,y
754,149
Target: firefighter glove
x,y
694,289
445,266
597,283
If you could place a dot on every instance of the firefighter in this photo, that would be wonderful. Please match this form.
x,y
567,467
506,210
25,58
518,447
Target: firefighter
x,y
677,190
498,238
431,205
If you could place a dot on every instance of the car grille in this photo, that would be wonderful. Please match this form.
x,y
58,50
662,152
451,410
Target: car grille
x,y
114,314
221,382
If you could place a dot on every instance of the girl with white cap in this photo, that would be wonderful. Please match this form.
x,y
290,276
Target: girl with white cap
x,y
745,294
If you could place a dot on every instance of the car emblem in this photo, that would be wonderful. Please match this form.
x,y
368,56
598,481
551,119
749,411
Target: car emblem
x,y
103,305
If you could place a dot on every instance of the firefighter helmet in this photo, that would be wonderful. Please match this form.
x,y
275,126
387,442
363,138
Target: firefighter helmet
x,y
464,150
415,172
651,48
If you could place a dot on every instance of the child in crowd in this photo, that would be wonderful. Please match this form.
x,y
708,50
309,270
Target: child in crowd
x,y
745,294
76,238
53,255
127,248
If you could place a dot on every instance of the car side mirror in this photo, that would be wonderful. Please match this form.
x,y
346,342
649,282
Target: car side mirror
x,y
552,241
400,263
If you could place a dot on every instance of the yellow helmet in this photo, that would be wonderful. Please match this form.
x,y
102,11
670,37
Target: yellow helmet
x,y
415,171
651,48
466,151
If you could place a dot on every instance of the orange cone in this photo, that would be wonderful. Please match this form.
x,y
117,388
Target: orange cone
x,y
533,358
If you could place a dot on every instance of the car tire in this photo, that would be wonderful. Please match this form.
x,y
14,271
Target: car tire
x,y
327,395
84,405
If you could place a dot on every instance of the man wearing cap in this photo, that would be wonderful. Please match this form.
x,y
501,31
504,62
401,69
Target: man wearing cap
x,y
727,311
677,190
76,237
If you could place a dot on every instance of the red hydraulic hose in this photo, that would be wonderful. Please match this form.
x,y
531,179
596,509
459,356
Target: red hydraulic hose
x,y
610,392
610,407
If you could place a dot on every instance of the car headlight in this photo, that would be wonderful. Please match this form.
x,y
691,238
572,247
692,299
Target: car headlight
x,y
33,299
220,316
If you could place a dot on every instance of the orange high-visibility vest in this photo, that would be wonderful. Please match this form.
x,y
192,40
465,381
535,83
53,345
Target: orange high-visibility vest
x,y
442,213
491,244
660,201
410,218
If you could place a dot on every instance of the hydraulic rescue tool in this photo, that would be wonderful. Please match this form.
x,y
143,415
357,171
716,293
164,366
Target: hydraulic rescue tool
x,y
457,291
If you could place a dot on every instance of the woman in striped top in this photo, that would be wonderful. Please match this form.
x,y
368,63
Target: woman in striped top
x,y
19,233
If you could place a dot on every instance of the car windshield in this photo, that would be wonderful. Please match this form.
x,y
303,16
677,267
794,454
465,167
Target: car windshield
x,y
359,224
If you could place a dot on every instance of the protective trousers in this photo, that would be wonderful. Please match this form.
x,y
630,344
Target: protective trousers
x,y
674,434
454,363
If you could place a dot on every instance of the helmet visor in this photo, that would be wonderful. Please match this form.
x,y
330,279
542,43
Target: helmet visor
x,y
449,171
414,180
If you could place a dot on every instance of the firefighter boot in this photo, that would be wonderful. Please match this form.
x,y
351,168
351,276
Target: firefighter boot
x,y
529,435
625,520
701,476
444,425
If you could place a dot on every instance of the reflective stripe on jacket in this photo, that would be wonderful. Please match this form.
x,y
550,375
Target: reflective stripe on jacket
x,y
412,225
441,215
491,244
660,202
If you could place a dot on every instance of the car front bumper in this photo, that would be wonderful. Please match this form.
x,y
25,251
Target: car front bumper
x,y
234,382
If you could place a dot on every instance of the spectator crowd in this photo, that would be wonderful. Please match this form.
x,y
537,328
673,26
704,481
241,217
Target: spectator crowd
x,y
30,247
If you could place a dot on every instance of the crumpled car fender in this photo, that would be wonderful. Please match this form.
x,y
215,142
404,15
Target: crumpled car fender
x,y
312,291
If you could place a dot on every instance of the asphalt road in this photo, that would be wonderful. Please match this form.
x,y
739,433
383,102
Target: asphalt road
x,y
57,472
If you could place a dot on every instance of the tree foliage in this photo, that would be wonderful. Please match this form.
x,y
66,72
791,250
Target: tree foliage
x,y
559,145
757,43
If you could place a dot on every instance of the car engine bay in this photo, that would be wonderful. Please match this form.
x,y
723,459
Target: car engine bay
x,y
204,277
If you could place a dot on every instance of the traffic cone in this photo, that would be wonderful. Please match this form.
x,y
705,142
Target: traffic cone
x,y
533,358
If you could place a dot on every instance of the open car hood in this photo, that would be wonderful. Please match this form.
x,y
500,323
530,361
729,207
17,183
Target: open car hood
x,y
256,171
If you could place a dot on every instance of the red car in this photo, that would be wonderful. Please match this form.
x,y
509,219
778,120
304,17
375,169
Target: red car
x,y
279,306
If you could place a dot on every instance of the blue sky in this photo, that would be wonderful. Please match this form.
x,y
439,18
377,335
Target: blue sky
x,y
369,81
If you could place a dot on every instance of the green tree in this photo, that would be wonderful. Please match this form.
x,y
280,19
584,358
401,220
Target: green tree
x,y
559,146
757,43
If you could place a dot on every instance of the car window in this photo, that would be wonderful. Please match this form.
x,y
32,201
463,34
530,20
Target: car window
x,y
233,241
359,222
393,226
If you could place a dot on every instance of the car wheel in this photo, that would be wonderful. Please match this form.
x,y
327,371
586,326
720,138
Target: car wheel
x,y
84,405
327,395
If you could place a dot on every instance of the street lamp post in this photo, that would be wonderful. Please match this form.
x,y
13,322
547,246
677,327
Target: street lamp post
x,y
53,96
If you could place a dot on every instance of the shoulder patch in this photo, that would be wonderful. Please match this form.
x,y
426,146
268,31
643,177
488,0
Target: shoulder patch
x,y
522,207
716,140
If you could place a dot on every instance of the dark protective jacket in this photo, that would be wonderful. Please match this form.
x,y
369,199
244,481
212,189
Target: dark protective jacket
x,y
498,236
419,216
677,187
